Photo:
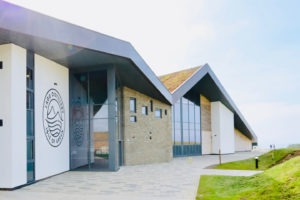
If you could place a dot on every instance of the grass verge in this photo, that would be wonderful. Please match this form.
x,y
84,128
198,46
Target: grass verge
x,y
265,161
279,182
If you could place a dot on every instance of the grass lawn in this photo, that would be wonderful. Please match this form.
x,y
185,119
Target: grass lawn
x,y
265,161
279,182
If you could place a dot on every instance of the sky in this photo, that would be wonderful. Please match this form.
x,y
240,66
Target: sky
x,y
252,46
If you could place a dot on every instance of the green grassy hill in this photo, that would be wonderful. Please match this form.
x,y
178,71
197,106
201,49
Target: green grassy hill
x,y
265,161
279,182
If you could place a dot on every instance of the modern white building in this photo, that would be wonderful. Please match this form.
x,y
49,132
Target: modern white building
x,y
75,99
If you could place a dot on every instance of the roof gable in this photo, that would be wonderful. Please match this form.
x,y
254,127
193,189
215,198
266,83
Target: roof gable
x,y
203,80
173,80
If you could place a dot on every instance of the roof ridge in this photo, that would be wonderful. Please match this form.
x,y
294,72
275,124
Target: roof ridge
x,y
173,80
197,67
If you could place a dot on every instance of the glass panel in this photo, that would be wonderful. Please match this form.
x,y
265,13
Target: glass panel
x,y
98,87
144,110
191,113
132,105
177,136
30,171
192,136
185,112
197,114
185,126
29,78
29,123
30,115
184,100
29,100
100,144
158,113
176,110
186,138
197,126
80,126
198,137
89,120
30,150
133,118
177,125
151,105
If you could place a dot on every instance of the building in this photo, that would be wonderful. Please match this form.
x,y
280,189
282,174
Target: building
x,y
205,119
76,99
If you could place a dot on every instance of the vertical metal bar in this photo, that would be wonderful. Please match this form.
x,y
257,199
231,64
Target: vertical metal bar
x,y
195,132
70,119
113,139
121,122
200,121
89,121
181,125
173,129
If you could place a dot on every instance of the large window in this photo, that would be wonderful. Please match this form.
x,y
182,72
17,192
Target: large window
x,y
186,129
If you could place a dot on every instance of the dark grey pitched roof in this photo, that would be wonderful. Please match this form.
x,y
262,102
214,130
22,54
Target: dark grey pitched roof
x,y
77,47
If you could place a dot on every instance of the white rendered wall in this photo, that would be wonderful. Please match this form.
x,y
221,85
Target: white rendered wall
x,y
13,112
206,142
242,143
50,160
222,121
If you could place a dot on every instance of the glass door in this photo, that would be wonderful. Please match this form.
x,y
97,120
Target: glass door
x,y
99,120
89,136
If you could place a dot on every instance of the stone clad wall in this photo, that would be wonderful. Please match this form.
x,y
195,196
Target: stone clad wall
x,y
205,125
149,140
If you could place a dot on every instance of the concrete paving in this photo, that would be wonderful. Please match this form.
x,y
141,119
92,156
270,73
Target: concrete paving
x,y
177,179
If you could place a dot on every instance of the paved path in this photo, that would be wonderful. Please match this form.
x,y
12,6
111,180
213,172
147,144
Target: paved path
x,y
177,179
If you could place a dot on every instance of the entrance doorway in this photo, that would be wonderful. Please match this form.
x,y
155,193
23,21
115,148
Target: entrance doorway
x,y
89,121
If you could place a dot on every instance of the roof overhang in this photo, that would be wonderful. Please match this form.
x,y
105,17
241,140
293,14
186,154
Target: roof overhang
x,y
78,48
205,82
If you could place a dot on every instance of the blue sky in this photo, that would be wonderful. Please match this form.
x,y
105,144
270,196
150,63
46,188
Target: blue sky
x,y
252,46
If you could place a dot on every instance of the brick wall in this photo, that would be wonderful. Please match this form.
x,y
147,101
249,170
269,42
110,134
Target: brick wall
x,y
149,139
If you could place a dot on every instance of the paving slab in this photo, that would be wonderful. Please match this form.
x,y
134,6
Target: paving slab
x,y
177,179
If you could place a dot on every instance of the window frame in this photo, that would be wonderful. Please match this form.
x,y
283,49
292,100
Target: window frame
x,y
151,105
144,110
132,109
133,119
160,113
